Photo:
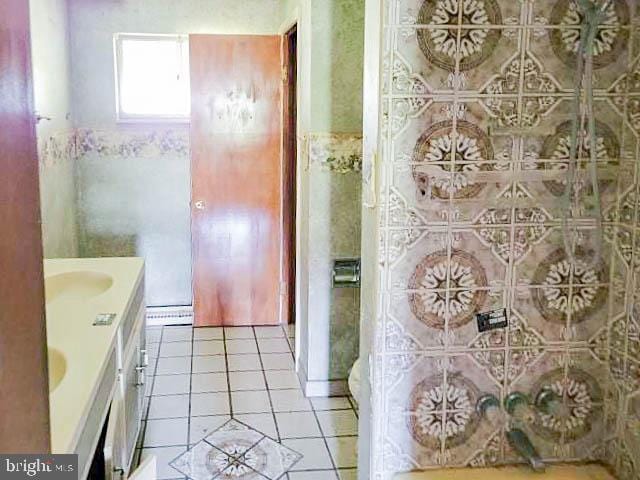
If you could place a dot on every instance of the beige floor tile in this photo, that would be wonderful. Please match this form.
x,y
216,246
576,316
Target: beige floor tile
x,y
270,332
277,361
234,333
169,406
177,334
279,379
330,403
209,382
291,400
166,432
175,349
250,402
246,381
171,384
315,453
209,404
202,426
273,345
344,451
208,347
208,333
263,422
297,425
163,457
208,364
241,346
244,362
173,365
338,422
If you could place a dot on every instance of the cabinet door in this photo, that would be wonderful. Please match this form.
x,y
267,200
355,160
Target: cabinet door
x,y
146,470
114,444
134,384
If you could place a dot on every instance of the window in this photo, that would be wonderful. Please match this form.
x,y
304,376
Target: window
x,y
152,77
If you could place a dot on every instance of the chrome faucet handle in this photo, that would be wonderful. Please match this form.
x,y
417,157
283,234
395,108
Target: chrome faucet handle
x,y
518,405
486,402
548,401
488,406
520,442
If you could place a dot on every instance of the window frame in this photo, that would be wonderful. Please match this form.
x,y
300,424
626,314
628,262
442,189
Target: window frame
x,y
121,116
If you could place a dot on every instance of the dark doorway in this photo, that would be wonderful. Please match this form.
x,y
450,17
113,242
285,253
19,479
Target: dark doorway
x,y
289,166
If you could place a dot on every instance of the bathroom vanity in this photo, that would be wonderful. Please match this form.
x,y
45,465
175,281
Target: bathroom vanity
x,y
97,358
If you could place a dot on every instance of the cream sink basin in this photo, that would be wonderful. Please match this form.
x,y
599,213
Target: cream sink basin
x,y
76,285
57,368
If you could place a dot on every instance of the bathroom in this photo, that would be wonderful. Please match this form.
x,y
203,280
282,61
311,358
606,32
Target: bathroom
x,y
438,213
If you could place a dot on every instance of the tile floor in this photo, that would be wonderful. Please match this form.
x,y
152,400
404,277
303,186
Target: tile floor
x,y
199,379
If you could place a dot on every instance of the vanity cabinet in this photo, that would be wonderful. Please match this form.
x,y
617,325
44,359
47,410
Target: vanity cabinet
x,y
98,327
125,419
114,452
134,372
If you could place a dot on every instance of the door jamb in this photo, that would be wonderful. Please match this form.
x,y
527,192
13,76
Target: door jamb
x,y
290,187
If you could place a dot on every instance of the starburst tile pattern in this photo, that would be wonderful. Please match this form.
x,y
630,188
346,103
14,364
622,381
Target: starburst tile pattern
x,y
236,450
477,107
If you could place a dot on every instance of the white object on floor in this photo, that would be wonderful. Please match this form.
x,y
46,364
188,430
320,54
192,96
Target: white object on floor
x,y
354,381
146,470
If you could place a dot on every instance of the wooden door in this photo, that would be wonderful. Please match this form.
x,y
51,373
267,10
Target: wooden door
x,y
236,178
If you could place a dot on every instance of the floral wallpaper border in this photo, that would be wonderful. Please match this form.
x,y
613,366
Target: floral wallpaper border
x,y
71,145
143,143
336,152
57,149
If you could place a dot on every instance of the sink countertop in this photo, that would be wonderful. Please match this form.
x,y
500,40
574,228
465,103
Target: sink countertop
x,y
86,347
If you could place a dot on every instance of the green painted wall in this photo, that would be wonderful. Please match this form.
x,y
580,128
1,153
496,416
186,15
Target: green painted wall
x,y
337,49
52,96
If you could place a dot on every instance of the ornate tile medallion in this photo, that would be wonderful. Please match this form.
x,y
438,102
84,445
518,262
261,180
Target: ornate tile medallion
x,y
236,451
467,149
465,274
440,44
581,405
610,40
557,149
555,274
456,397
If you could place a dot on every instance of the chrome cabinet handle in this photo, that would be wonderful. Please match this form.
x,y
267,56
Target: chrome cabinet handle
x,y
199,205
144,357
141,376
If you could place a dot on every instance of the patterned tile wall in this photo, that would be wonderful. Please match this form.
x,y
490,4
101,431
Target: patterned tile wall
x,y
477,108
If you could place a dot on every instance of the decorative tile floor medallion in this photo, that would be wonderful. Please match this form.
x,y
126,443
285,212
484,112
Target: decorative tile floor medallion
x,y
236,451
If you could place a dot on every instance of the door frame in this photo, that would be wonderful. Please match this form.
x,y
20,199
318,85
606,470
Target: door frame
x,y
289,173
